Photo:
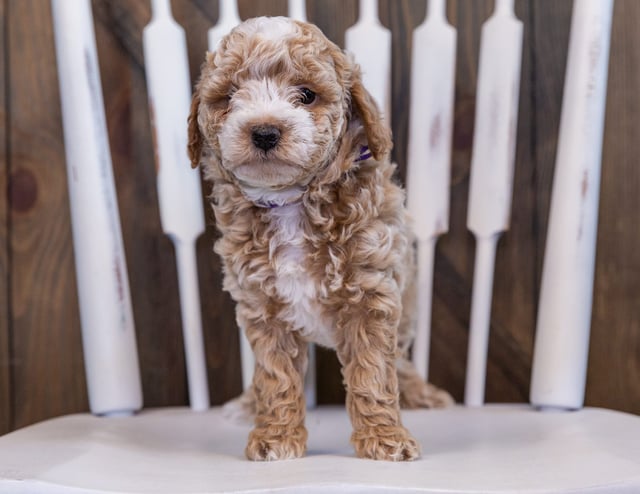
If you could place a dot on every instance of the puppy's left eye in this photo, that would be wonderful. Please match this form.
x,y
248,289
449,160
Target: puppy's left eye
x,y
307,96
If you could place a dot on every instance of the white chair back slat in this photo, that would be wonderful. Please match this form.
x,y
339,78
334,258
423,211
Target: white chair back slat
x,y
108,333
179,191
429,156
370,42
228,18
491,181
310,378
564,314
298,10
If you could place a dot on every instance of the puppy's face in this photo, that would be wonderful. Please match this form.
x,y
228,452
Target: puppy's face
x,y
273,102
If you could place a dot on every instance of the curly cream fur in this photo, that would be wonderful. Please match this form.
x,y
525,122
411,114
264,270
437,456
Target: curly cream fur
x,y
333,263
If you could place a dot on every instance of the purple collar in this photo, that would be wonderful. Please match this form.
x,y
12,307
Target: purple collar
x,y
271,204
365,153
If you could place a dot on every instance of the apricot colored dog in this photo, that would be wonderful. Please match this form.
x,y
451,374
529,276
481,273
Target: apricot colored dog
x,y
315,243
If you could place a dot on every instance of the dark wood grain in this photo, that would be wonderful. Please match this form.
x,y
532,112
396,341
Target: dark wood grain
x,y
48,374
41,368
550,29
615,339
5,355
401,18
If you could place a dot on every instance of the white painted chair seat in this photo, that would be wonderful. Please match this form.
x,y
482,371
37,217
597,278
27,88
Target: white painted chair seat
x,y
496,448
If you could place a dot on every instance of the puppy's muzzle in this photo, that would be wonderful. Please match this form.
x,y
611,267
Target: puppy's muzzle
x,y
265,137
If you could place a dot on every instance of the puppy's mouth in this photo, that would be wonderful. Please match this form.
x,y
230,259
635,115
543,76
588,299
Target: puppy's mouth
x,y
266,155
268,172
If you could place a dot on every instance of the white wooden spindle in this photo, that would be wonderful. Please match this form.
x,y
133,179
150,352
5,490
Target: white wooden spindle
x,y
370,42
564,314
298,10
429,156
310,378
228,18
179,192
491,174
247,360
108,333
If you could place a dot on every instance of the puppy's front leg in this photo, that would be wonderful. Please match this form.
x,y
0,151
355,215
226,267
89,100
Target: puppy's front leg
x,y
367,348
281,356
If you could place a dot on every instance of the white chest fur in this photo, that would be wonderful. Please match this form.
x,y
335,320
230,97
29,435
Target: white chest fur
x,y
295,283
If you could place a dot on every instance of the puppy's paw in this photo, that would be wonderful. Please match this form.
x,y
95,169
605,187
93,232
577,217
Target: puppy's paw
x,y
268,445
390,443
415,392
424,395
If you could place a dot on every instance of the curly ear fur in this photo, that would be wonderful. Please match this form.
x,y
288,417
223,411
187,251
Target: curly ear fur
x,y
377,131
195,136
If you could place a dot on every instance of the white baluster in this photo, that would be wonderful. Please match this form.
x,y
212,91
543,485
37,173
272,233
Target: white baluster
x,y
108,333
370,42
429,155
310,379
228,18
179,192
564,314
492,164
298,10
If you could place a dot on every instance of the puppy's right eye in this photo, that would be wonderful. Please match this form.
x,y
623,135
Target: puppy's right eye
x,y
307,96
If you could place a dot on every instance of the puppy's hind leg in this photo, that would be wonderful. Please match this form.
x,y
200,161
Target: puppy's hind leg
x,y
414,391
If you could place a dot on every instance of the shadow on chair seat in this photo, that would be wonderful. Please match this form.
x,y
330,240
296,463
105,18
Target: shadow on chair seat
x,y
490,449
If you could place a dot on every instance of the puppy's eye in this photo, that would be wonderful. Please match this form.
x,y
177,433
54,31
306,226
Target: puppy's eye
x,y
307,96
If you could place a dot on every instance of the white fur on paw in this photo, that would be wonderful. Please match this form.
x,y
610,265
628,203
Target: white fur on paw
x,y
441,399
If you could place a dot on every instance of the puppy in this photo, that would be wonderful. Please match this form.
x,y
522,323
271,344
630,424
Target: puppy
x,y
314,239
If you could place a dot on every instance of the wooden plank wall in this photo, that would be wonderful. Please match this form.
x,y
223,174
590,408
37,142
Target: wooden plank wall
x,y
41,366
5,381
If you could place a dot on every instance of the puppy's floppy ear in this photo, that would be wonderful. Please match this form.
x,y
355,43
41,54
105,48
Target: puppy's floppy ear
x,y
195,136
377,131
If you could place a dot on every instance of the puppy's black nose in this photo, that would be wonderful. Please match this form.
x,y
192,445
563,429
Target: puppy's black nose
x,y
265,137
